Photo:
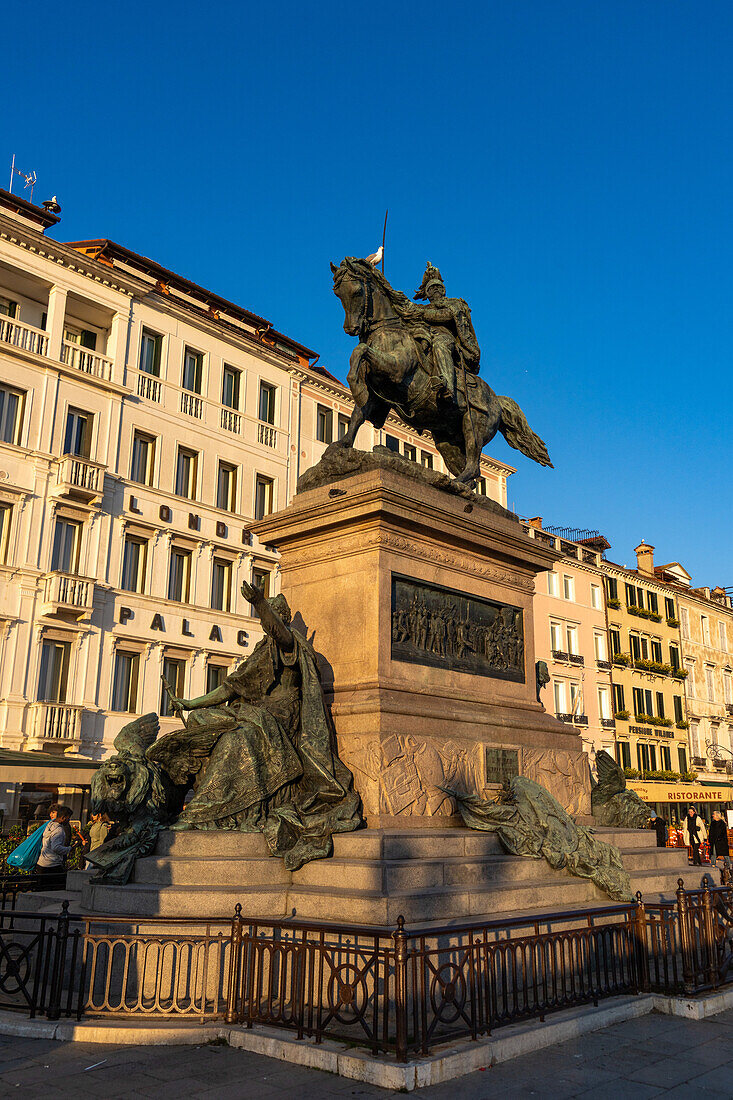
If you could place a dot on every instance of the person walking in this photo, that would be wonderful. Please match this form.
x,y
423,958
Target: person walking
x,y
694,834
94,834
660,827
54,850
719,847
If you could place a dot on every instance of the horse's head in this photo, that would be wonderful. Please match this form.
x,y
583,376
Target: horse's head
x,y
351,288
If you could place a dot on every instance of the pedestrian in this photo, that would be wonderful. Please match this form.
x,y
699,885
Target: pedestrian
x,y
54,850
94,834
719,848
694,834
660,827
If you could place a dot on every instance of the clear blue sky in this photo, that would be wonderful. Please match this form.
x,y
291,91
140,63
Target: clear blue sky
x,y
567,165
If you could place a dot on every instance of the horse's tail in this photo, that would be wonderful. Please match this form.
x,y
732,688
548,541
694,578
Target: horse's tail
x,y
517,432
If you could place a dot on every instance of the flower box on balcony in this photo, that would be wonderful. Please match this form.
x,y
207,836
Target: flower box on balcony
x,y
613,602
622,659
673,622
623,715
683,725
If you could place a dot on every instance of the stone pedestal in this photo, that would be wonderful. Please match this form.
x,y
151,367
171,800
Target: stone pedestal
x,y
419,604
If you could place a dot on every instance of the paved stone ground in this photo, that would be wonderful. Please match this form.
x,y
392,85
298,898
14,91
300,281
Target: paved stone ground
x,y
653,1056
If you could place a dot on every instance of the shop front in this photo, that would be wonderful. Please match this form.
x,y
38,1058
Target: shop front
x,y
670,800
31,781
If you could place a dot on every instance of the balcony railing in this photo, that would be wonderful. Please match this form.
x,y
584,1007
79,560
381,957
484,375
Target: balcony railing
x,y
603,664
576,719
266,434
67,592
87,361
608,723
231,420
559,655
24,337
80,477
192,404
148,386
56,722
576,659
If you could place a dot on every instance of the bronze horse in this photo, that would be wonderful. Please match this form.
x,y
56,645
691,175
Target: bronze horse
x,y
388,370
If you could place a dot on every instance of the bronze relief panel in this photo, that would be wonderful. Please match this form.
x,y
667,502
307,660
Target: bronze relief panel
x,y
437,626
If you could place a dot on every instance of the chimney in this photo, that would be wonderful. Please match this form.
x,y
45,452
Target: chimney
x,y
536,521
645,559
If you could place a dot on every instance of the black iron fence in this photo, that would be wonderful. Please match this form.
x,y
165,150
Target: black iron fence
x,y
393,990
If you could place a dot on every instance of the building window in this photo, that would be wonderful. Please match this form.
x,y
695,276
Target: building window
x,y
174,673
623,754
553,584
618,698
54,672
8,308
324,424
677,704
556,638
682,759
221,585
714,732
193,363
615,637
674,656
134,561
727,686
651,601
410,452
426,460
635,646
660,704
656,651
267,403
392,443
186,473
631,595
481,486
595,596
669,608
709,683
722,637
84,337
66,548
6,516
263,496
572,635
343,425
684,622
604,703
665,758
11,414
230,387
612,588
599,646
261,580
646,756
215,676
124,682
226,488
150,348
179,575
638,694
691,686
143,458
695,736
705,624
568,587
78,434
558,693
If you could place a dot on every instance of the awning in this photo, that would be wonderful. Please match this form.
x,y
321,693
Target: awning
x,y
42,767
681,792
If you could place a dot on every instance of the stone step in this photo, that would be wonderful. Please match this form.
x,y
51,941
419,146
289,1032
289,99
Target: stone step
x,y
215,871
144,900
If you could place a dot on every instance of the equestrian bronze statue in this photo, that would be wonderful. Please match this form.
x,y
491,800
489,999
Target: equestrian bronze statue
x,y
423,362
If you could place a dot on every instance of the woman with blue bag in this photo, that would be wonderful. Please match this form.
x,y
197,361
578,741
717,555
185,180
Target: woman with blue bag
x,y
25,856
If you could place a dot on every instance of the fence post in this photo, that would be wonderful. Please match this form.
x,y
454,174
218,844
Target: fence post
x,y
58,963
235,964
642,954
709,925
400,985
685,941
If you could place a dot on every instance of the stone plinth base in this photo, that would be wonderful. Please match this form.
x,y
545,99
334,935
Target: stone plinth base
x,y
373,877
419,604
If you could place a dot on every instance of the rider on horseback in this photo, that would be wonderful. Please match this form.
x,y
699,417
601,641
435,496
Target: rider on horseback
x,y
444,327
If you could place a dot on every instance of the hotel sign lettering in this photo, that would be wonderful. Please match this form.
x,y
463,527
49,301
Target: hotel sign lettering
x,y
437,626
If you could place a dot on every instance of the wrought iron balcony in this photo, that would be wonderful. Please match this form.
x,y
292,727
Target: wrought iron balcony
x,y
67,595
79,478
576,659
560,655
575,719
604,665
608,723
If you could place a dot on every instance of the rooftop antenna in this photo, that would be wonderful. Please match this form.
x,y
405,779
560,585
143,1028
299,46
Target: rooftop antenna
x,y
30,178
384,237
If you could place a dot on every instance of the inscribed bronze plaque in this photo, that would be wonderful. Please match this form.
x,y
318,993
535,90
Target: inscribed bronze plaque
x,y
502,765
437,626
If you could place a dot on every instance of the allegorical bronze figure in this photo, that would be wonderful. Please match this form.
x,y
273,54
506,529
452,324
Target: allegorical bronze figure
x,y
422,360
258,751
